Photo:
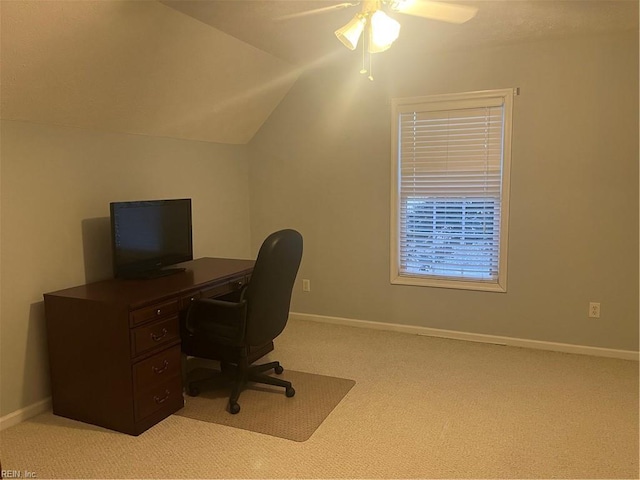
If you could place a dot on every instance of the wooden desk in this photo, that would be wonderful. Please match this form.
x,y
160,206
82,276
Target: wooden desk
x,y
114,346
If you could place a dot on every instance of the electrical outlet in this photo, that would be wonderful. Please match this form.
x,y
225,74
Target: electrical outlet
x,y
594,310
306,285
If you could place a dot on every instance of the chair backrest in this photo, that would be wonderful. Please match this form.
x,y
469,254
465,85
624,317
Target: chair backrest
x,y
268,294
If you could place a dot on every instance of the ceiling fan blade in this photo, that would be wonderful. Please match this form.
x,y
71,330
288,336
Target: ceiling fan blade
x,y
445,12
316,11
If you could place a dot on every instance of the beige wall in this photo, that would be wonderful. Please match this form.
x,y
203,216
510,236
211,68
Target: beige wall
x,y
56,186
321,164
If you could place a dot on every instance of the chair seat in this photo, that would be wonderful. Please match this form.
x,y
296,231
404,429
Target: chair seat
x,y
202,348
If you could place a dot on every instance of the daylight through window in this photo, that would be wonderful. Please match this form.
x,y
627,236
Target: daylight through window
x,y
450,190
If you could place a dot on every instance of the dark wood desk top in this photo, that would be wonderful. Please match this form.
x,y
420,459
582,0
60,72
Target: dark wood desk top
x,y
136,293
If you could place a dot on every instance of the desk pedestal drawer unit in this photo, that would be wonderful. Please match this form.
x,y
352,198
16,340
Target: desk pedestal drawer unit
x,y
114,346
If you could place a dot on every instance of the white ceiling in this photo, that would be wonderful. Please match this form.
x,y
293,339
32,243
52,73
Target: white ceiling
x,y
159,68
303,40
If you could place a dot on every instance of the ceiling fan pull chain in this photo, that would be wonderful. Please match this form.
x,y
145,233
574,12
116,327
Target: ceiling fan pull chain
x,y
370,38
363,70
371,66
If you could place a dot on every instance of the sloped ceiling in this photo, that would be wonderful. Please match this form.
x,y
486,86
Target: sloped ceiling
x,y
135,67
306,40
214,70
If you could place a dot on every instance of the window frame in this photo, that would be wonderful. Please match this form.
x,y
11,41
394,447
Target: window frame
x,y
452,102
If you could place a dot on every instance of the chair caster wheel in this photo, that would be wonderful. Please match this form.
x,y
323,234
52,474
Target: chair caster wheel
x,y
278,369
193,391
290,392
234,408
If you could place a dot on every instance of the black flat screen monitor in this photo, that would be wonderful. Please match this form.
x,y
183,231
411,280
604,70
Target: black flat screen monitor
x,y
147,236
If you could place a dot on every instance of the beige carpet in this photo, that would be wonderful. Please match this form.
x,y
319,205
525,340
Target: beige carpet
x,y
266,409
421,408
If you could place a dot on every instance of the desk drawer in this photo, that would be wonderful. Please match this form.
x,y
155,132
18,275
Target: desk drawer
x,y
157,369
154,335
213,291
187,299
159,310
219,290
166,395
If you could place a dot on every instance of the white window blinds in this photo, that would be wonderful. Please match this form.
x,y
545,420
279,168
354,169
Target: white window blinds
x,y
450,190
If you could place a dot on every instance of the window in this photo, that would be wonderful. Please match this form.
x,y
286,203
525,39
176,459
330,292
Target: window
x,y
450,190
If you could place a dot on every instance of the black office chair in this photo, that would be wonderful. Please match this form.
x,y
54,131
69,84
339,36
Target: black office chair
x,y
239,332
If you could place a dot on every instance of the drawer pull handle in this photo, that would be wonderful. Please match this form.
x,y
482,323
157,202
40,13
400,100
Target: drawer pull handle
x,y
160,400
157,338
158,312
162,369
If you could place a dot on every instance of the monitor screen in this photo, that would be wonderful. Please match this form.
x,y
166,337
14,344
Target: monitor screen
x,y
149,235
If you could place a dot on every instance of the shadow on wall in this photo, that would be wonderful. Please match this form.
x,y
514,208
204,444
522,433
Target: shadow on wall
x,y
36,382
96,243
36,368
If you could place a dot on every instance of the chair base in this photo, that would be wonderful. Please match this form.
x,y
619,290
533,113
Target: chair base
x,y
239,376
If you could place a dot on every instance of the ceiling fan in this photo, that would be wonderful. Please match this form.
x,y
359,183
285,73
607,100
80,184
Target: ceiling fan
x,y
380,29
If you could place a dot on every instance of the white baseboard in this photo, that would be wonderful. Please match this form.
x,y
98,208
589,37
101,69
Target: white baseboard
x,y
25,413
42,406
473,337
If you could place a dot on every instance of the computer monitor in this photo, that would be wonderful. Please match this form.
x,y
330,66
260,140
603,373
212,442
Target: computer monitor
x,y
149,235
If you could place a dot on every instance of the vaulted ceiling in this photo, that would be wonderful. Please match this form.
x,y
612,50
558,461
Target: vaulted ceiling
x,y
134,67
215,70
306,39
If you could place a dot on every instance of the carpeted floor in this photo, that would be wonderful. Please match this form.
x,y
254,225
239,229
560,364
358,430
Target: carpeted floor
x,y
421,408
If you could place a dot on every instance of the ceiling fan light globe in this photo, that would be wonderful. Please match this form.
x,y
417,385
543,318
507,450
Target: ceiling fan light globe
x,y
401,5
434,10
384,31
350,34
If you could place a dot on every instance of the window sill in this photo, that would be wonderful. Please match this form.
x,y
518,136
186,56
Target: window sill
x,y
448,283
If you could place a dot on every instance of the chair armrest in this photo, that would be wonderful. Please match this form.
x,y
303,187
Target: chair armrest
x,y
222,321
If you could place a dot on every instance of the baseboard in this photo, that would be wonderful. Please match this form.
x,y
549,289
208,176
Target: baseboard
x,y
25,413
473,337
42,406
